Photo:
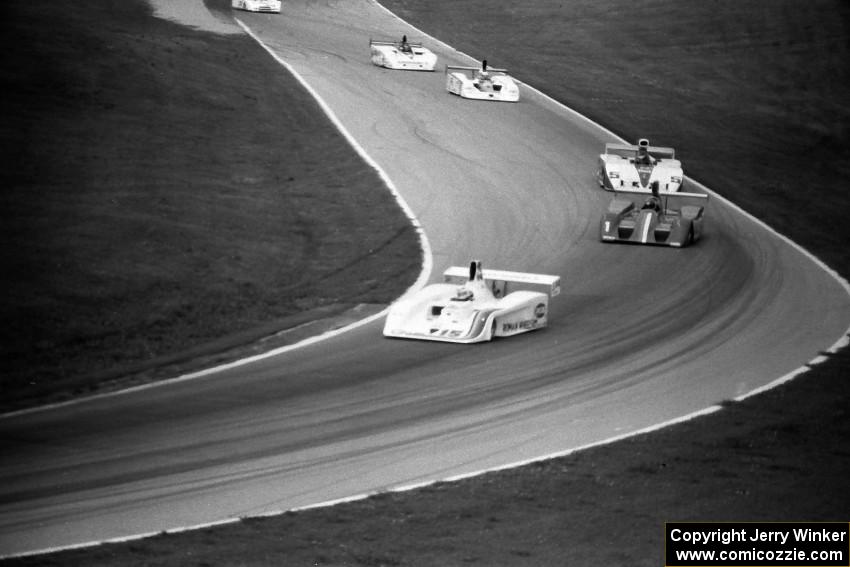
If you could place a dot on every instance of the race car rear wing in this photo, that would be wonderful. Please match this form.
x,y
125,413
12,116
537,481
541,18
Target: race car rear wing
x,y
474,70
630,151
502,282
392,43
673,201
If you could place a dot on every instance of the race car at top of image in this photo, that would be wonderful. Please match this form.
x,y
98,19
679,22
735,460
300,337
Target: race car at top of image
x,y
272,6
481,83
405,55
669,219
474,305
635,168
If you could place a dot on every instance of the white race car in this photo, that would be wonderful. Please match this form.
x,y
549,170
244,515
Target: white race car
x,y
481,84
257,5
474,305
402,55
635,168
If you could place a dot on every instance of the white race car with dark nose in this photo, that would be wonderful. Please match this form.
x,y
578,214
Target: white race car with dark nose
x,y
474,305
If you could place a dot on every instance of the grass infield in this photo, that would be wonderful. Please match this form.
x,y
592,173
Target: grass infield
x,y
751,94
171,197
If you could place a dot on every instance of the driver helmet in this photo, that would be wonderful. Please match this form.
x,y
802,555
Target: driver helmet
x,y
464,294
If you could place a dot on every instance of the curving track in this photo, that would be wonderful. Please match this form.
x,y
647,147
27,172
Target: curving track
x,y
639,336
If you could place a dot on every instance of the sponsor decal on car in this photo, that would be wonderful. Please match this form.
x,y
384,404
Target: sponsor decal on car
x,y
519,325
540,310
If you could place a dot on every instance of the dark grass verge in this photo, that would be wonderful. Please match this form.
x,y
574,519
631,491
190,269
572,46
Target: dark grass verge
x,y
780,456
165,190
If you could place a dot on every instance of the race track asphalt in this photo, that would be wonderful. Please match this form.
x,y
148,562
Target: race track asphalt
x,y
639,335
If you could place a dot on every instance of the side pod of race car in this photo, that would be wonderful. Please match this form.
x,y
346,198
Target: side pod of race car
x,y
635,168
672,219
481,84
474,305
403,55
272,6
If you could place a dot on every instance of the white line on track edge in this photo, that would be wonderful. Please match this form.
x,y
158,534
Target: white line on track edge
x,y
842,342
365,495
